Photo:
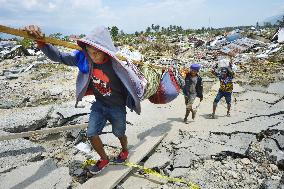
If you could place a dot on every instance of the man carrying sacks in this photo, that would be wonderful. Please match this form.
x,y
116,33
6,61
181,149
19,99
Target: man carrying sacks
x,y
193,88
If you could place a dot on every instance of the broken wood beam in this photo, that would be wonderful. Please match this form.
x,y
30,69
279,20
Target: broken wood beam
x,y
53,41
11,136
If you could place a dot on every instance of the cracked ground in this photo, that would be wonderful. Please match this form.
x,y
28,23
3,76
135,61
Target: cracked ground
x,y
241,151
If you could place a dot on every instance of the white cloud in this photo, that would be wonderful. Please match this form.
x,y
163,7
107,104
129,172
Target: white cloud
x,y
81,16
51,6
86,4
175,12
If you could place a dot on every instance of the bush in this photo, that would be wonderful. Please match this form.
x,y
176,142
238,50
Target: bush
x,y
26,43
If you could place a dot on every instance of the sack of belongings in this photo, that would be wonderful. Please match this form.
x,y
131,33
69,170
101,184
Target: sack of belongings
x,y
179,78
168,89
153,76
128,59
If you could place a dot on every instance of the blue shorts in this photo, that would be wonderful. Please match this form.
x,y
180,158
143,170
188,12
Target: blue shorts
x,y
101,113
221,94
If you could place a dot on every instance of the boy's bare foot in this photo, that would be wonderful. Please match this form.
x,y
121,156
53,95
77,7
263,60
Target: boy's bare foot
x,y
228,114
193,114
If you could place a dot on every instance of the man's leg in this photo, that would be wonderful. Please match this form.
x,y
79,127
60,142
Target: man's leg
x,y
217,99
228,110
228,98
123,142
96,124
98,146
214,109
97,121
187,110
118,120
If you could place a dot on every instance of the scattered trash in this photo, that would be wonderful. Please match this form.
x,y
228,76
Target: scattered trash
x,y
84,147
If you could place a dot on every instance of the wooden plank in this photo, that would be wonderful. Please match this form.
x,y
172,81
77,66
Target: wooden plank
x,y
42,131
54,41
113,174
21,33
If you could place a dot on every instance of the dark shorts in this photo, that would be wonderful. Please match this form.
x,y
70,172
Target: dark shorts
x,y
227,95
101,113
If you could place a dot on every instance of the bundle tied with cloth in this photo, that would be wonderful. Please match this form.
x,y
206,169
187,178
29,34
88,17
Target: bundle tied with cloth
x,y
163,85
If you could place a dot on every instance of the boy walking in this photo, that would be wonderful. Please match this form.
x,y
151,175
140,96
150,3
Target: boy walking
x,y
101,75
193,88
226,87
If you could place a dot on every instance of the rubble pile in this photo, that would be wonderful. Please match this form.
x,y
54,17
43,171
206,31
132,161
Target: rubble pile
x,y
220,160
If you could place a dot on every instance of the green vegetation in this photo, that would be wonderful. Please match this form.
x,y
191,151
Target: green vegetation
x,y
27,43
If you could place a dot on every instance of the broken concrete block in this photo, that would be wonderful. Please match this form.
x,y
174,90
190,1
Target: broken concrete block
x,y
15,153
25,119
43,174
159,160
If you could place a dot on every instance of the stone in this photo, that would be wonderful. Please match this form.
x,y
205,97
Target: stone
x,y
159,160
67,113
179,172
270,184
7,104
184,158
256,152
273,167
12,76
245,161
279,137
274,153
43,174
55,91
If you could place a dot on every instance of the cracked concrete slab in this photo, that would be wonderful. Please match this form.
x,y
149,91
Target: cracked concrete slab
x,y
25,119
43,174
18,152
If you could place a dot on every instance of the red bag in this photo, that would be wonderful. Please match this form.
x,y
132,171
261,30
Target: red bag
x,y
168,89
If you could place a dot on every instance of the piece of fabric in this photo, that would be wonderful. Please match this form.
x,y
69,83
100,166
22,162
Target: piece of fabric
x,y
107,87
100,38
221,94
192,87
189,101
168,89
153,76
179,78
101,113
226,84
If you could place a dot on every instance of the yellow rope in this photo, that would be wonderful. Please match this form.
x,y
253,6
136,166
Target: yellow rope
x,y
148,171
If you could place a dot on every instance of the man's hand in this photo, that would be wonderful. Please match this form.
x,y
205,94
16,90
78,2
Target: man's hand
x,y
34,31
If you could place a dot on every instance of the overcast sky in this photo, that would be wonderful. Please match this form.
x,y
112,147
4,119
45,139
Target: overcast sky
x,y
81,16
